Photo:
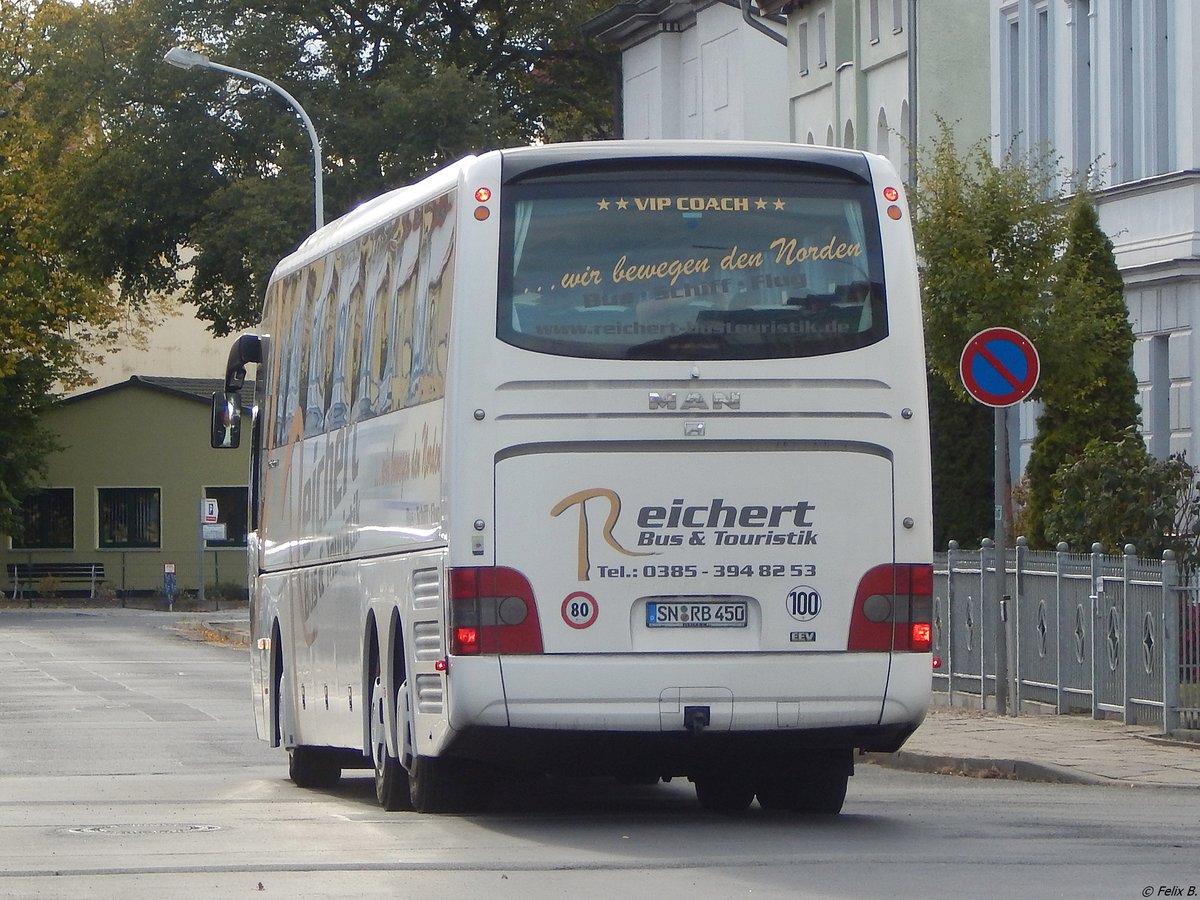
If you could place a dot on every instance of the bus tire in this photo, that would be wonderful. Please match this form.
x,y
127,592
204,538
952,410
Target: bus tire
x,y
391,781
313,767
724,792
432,785
822,791
439,784
824,794
779,793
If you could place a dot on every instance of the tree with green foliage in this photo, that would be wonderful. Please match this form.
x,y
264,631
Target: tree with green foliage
x,y
1093,397
119,173
201,183
53,316
961,431
988,237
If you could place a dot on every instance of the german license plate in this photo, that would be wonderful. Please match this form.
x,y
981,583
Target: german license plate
x,y
696,614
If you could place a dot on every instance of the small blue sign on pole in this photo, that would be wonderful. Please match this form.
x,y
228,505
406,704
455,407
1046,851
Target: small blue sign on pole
x,y
169,584
999,367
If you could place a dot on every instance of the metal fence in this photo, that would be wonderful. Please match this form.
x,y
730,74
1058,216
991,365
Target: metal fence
x,y
1113,636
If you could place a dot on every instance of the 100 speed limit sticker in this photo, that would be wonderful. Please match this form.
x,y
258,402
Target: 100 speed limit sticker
x,y
803,603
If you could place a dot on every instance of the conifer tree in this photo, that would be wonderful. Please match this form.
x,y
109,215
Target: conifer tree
x,y
1089,391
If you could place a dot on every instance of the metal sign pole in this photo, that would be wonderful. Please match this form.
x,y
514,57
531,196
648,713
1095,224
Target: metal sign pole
x,y
999,614
200,563
999,368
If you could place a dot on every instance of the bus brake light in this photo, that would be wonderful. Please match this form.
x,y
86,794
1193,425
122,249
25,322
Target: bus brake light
x,y
492,611
893,610
922,636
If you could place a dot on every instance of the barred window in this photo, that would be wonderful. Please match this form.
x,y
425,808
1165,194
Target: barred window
x,y
129,518
49,521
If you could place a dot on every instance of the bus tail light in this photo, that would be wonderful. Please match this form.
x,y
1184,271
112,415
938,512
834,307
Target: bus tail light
x,y
492,610
893,609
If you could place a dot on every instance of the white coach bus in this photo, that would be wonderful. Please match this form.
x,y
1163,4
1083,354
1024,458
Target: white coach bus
x,y
603,458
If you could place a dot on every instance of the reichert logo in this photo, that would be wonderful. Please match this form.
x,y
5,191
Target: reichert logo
x,y
713,523
580,499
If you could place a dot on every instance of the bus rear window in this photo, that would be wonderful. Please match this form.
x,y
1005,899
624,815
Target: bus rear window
x,y
691,267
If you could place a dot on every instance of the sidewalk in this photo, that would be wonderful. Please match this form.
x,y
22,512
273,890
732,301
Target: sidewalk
x,y
961,741
1065,749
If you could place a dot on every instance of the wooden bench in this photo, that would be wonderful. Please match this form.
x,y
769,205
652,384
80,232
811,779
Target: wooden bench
x,y
25,576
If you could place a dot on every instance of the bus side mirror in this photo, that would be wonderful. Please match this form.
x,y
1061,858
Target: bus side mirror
x,y
226,420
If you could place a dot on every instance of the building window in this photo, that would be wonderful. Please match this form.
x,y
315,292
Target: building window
x,y
1156,409
231,512
1040,120
873,18
822,42
802,47
49,521
1011,102
897,16
1128,112
1158,91
1081,86
129,518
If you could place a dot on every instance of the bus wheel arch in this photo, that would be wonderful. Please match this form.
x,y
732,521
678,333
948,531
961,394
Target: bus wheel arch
x,y
276,683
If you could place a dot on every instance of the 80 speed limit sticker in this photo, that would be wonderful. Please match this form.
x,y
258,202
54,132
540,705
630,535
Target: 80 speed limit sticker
x,y
579,610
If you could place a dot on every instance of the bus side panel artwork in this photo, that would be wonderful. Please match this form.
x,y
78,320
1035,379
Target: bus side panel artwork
x,y
366,332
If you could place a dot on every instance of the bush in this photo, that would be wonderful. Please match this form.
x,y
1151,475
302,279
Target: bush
x,y
226,592
1116,493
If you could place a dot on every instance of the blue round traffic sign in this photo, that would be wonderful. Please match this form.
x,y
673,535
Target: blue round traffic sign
x,y
999,367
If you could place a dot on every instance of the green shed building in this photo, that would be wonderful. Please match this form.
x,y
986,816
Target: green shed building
x,y
125,497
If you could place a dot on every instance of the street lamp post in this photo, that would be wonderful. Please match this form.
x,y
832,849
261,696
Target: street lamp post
x,y
189,59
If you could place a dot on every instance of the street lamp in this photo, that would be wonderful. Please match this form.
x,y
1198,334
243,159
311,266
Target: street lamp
x,y
189,59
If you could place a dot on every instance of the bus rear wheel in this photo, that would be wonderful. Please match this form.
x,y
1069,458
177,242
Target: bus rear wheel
x,y
820,789
391,781
817,796
445,785
313,767
724,792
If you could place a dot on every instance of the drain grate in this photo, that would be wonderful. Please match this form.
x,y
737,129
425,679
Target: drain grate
x,y
144,828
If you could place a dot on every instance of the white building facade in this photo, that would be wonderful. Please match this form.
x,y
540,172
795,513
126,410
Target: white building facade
x,y
1108,86
695,70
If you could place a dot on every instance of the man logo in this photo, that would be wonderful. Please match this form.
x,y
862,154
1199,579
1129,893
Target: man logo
x,y
694,400
803,603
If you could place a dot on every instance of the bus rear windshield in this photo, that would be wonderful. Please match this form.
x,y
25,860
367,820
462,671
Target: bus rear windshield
x,y
691,266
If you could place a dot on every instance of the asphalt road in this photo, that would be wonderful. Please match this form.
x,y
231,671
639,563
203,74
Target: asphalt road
x,y
129,769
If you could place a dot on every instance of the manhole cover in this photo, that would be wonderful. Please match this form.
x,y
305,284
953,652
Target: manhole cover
x,y
135,828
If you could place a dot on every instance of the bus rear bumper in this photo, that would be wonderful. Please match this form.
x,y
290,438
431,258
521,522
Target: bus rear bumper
x,y
789,701
666,754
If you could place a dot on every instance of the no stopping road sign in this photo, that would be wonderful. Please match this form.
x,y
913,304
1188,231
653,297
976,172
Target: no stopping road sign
x,y
999,367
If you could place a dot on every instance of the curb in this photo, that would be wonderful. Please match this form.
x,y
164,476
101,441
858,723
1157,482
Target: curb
x,y
973,767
